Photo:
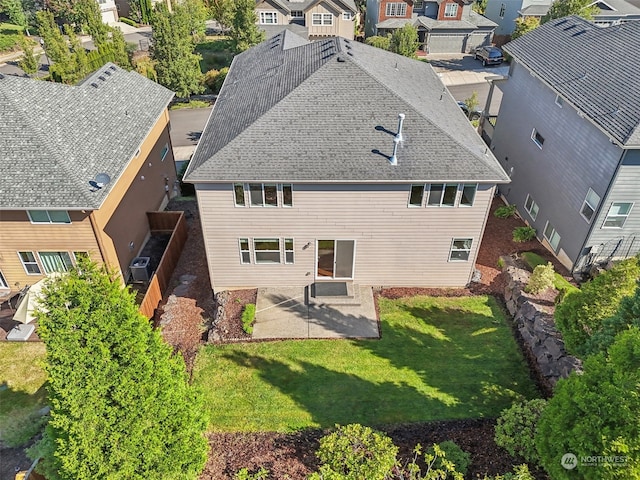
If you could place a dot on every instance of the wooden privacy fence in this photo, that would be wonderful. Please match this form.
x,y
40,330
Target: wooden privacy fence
x,y
164,222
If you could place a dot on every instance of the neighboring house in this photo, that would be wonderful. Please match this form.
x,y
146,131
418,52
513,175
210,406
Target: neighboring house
x,y
109,11
568,131
505,12
444,26
301,175
320,18
55,141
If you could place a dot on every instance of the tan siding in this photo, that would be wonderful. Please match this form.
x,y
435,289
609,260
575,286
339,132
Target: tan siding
x,y
395,245
18,234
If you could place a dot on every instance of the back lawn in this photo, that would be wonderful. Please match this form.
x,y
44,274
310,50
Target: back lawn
x,y
439,358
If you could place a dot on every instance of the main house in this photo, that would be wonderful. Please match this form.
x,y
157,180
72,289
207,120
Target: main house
x,y
318,18
506,12
336,160
444,26
568,131
81,167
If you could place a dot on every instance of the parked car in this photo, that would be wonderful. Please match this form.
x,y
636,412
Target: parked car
x,y
472,114
489,55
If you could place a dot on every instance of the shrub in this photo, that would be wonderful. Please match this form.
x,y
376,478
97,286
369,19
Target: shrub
x,y
560,284
454,454
520,472
219,80
543,277
379,42
244,474
128,21
355,452
248,317
581,313
210,78
516,429
505,211
523,234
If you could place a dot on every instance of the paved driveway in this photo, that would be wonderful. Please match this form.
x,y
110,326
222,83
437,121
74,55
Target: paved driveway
x,y
291,312
464,69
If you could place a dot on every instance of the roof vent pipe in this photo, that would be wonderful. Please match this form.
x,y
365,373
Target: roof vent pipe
x,y
396,140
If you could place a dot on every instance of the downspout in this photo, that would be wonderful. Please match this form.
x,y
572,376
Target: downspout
x,y
98,237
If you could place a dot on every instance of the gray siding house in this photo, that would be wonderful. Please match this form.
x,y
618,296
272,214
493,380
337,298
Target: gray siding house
x,y
337,160
568,133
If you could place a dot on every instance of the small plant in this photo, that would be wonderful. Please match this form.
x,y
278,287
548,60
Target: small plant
x,y
516,429
356,452
505,211
244,474
128,21
523,234
248,317
520,472
543,277
454,454
500,263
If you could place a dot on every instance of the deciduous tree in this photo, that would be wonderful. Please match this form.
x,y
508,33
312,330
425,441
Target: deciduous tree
x,y
221,11
404,41
244,32
563,8
525,25
54,43
29,62
121,404
14,10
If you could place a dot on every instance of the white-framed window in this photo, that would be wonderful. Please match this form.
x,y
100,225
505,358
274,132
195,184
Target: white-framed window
x,y
268,18
266,250
559,101
297,14
617,215
347,15
442,194
503,8
460,249
163,153
287,195
416,195
55,261
396,9
288,250
591,202
552,236
238,195
327,19
418,4
48,216
3,281
468,195
321,19
29,263
263,194
531,207
245,253
451,10
537,138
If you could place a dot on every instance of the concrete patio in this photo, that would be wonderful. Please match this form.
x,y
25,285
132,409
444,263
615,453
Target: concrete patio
x,y
298,312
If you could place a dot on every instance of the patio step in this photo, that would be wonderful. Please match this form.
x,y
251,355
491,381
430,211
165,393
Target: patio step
x,y
352,297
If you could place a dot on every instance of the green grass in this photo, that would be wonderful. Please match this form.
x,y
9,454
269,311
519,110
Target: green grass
x,y
560,283
22,391
439,358
216,53
190,104
9,36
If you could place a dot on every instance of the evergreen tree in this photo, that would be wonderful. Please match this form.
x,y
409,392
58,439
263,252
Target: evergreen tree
x,y
78,67
564,8
176,64
92,19
119,45
13,9
54,43
121,405
29,62
404,41
64,11
244,32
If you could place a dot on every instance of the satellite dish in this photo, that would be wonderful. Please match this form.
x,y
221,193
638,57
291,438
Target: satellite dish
x,y
102,179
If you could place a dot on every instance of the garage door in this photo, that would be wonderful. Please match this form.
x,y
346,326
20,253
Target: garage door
x,y
478,40
446,43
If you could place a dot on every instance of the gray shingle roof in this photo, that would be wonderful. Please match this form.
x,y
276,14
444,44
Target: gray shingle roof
x,y
327,111
535,10
595,69
304,5
55,138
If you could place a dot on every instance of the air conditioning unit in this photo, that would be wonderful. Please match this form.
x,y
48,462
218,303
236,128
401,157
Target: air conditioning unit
x,y
140,269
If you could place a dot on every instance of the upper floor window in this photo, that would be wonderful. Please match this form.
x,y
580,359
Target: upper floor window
x,y
531,207
268,18
537,138
48,216
346,15
322,19
416,195
287,195
297,14
618,214
442,195
263,194
451,10
503,8
589,205
238,194
396,9
559,101
468,195
418,4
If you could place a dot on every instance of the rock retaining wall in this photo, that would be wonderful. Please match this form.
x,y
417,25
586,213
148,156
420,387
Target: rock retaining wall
x,y
535,324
